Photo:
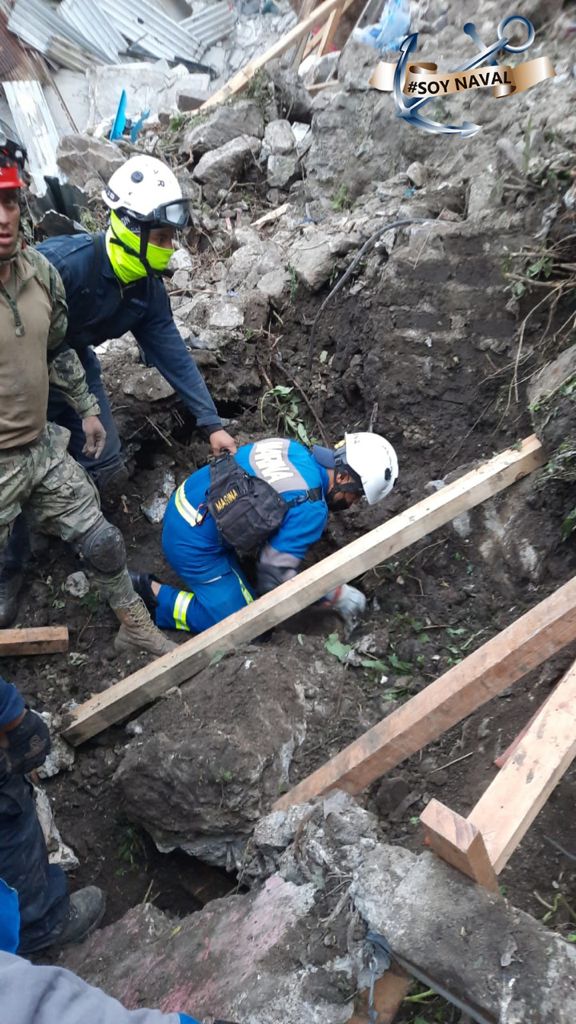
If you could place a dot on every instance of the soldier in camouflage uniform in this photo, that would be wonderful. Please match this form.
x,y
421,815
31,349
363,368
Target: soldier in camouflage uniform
x,y
37,475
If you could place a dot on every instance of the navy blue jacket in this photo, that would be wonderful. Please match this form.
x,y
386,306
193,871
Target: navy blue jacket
x,y
100,308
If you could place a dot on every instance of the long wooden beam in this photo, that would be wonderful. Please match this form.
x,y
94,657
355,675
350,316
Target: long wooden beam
x,y
132,693
508,807
527,643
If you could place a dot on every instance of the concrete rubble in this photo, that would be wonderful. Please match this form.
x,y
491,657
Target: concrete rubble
x,y
293,948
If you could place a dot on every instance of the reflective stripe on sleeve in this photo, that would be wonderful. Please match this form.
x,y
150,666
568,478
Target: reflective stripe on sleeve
x,y
245,592
180,609
192,516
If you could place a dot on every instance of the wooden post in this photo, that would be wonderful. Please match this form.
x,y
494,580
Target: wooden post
x,y
41,640
305,12
509,805
459,843
329,31
349,562
390,992
524,645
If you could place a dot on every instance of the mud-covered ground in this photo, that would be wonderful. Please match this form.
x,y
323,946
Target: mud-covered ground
x,y
429,607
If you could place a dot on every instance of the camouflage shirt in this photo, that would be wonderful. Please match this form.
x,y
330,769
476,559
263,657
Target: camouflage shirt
x,y
33,323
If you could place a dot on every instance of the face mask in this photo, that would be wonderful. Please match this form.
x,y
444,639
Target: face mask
x,y
126,266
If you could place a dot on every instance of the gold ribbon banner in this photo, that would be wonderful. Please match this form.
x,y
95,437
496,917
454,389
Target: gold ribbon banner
x,y
424,80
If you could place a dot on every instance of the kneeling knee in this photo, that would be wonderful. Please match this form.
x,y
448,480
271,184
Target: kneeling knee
x,y
103,548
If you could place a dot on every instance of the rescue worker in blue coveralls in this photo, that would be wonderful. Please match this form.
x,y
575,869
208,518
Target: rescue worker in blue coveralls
x,y
113,283
306,484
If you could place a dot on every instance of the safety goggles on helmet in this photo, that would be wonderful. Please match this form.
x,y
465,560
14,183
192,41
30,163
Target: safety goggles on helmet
x,y
12,159
175,214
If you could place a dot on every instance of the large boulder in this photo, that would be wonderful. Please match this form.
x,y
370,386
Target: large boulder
x,y
315,255
224,125
215,755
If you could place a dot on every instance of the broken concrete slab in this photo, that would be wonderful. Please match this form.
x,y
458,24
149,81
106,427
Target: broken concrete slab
x,y
146,383
221,167
493,957
224,125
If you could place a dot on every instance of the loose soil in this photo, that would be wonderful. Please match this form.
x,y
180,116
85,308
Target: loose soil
x,y
428,608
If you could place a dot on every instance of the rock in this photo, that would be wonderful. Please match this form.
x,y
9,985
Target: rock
x,y
224,125
216,754
147,384
250,263
155,507
255,305
77,584
357,62
294,101
279,138
274,284
321,68
417,173
181,260
88,162
315,255
282,170
221,167
61,756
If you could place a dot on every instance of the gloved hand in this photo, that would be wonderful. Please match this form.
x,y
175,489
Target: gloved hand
x,y
348,602
25,747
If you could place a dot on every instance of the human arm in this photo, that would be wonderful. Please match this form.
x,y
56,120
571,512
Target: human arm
x,y
24,735
162,345
48,994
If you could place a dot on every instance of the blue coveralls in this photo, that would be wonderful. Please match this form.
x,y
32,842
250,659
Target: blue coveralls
x,y
42,887
100,308
215,584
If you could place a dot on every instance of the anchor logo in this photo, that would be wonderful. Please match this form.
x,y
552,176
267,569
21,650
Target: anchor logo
x,y
410,109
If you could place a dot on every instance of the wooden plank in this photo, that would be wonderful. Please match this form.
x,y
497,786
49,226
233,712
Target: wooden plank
x,y
271,216
390,992
241,79
41,640
434,511
500,761
305,12
499,663
329,31
509,805
457,841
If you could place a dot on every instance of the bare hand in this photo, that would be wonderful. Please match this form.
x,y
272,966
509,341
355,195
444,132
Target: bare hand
x,y
95,437
221,441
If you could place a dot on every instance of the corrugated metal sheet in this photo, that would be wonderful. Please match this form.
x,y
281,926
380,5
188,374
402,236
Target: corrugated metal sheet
x,y
88,20
35,126
36,23
68,55
211,24
141,22
15,61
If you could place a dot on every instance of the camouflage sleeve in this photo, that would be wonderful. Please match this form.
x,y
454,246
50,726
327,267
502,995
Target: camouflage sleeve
x,y
67,374
59,318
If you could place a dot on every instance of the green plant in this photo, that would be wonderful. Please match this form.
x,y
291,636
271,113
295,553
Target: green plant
x,y
293,283
131,850
177,122
342,200
286,406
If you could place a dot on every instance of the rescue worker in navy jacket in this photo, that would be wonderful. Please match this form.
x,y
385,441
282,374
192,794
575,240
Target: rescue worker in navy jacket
x,y
313,483
113,284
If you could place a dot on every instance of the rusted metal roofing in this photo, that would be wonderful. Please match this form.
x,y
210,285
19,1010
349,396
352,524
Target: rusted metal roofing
x,y
15,60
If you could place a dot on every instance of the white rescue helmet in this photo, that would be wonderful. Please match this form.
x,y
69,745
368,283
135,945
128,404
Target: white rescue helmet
x,y
374,460
148,191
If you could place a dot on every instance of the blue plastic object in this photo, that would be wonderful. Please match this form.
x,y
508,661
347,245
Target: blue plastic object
x,y
119,123
394,25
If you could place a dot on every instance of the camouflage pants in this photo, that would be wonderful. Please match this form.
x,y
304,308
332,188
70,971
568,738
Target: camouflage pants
x,y
43,481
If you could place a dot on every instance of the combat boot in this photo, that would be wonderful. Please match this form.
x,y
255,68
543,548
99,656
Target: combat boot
x,y
11,580
86,910
138,632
